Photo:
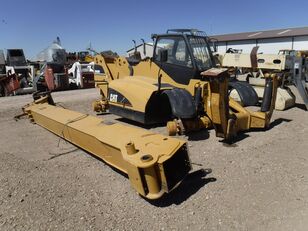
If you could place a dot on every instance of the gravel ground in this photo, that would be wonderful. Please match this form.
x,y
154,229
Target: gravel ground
x,y
258,183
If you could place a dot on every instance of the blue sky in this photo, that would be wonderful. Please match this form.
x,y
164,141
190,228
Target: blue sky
x,y
33,25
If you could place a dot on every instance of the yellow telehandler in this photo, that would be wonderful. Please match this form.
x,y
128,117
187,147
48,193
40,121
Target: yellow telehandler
x,y
181,86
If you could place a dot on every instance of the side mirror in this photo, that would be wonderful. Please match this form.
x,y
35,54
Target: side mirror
x,y
163,55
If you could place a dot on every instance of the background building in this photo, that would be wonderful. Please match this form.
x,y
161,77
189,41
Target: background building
x,y
148,49
269,42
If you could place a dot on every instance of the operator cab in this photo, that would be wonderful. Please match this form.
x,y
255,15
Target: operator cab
x,y
189,54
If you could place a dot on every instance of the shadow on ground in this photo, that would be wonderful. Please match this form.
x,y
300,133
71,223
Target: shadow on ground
x,y
242,135
300,106
199,135
189,186
192,184
232,141
273,124
277,122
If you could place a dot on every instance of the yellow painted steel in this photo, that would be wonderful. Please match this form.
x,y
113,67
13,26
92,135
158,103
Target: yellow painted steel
x,y
225,115
128,86
155,164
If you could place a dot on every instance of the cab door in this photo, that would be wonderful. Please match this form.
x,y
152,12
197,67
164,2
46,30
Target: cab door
x,y
179,65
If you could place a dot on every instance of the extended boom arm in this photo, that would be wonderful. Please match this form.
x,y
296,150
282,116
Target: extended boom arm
x,y
155,164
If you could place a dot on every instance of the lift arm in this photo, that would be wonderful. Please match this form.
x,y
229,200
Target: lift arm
x,y
155,164
228,116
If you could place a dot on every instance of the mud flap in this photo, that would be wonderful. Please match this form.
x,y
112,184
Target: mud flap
x,y
182,103
246,92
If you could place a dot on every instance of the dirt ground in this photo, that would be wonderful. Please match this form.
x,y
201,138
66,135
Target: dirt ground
x,y
258,183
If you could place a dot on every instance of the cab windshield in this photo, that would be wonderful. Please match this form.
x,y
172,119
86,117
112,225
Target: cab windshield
x,y
201,52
